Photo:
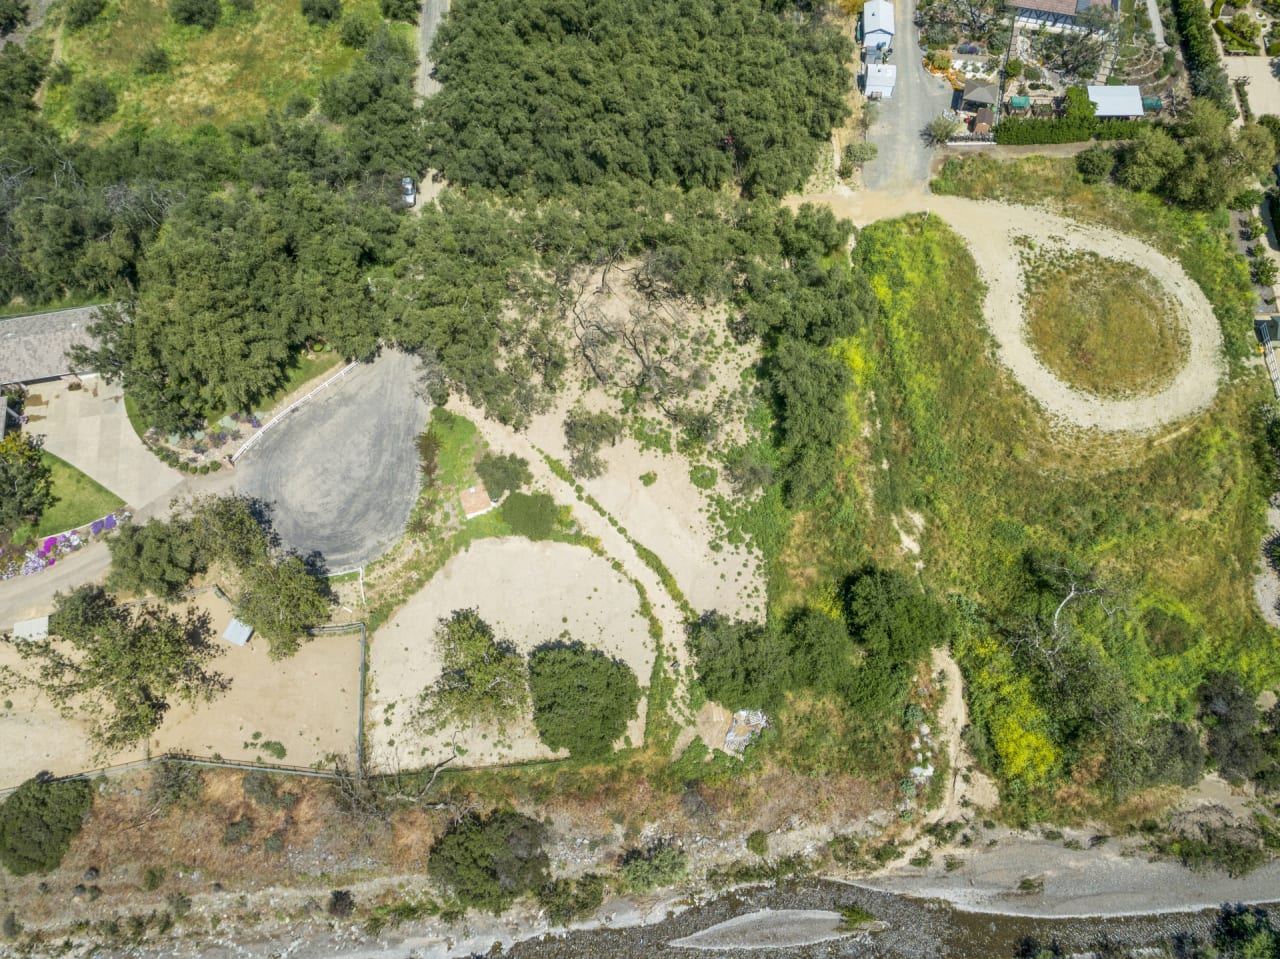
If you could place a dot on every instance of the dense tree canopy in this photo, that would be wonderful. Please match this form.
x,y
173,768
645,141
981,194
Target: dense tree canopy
x,y
582,699
488,863
483,678
158,558
26,488
545,94
120,667
39,820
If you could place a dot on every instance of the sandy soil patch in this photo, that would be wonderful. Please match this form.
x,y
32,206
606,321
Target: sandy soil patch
x,y
309,704
1264,87
670,517
768,929
529,593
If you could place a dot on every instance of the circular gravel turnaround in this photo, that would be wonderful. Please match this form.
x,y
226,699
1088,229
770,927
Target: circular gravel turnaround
x,y
996,234
341,471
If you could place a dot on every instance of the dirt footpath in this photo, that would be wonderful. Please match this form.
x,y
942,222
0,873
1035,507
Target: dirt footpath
x,y
530,593
992,232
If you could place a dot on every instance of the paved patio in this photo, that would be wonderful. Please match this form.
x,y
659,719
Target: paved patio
x,y
89,429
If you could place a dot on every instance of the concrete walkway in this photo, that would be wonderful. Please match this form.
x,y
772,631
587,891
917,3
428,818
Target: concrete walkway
x,y
89,429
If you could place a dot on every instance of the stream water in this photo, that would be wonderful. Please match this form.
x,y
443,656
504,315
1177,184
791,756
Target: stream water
x,y
917,929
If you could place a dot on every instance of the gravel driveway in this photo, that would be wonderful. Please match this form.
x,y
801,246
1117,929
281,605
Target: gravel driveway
x,y
342,471
918,97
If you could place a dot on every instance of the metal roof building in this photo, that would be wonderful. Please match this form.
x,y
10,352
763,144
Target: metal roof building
x,y
877,23
881,78
1116,101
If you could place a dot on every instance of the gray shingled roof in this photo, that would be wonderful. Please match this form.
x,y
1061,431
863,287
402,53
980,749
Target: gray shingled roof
x,y
34,347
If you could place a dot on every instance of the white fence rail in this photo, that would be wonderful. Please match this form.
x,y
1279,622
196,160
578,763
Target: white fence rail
x,y
290,408
1269,354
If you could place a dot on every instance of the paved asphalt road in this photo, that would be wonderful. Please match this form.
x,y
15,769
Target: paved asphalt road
x,y
918,97
342,471
432,11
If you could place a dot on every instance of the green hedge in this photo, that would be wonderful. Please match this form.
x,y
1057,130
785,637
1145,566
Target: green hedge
x,y
1208,78
1232,40
1023,130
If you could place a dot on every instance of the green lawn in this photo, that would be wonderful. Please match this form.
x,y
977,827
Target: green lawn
x,y
80,500
246,65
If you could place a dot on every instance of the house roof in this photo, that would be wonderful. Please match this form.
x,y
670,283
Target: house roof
x,y
877,15
881,78
1116,101
35,347
985,115
237,633
981,91
31,630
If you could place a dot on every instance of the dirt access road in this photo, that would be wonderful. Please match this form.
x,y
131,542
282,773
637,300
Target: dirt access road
x,y
433,11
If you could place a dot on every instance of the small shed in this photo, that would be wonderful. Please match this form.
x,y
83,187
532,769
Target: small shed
x,y
31,630
981,93
984,120
475,501
880,81
237,633
1116,102
877,24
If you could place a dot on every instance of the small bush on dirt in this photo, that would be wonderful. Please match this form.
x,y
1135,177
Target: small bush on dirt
x,y
502,474
584,434
488,863
178,904
196,13
568,899
11,927
428,448
153,61
657,865
263,789
153,878
237,831
92,101
532,515
758,843
175,785
341,904
38,822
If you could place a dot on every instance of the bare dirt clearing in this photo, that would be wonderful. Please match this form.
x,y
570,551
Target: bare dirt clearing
x,y
995,233
307,703
530,593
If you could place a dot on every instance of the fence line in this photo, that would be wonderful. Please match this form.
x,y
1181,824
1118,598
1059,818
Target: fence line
x,y
190,759
1268,353
290,408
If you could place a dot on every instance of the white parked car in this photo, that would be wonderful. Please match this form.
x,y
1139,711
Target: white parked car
x,y
408,191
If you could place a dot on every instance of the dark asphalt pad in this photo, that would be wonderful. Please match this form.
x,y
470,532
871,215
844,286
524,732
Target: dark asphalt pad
x,y
341,471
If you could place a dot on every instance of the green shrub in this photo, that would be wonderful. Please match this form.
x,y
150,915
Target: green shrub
x,y
321,13
262,788
649,868
758,843
178,903
703,477
274,844
196,13
354,31
582,699
502,474
341,904
568,899
488,863
92,101
81,13
153,60
153,878
648,479
532,515
38,822
237,831
407,11
273,748
11,926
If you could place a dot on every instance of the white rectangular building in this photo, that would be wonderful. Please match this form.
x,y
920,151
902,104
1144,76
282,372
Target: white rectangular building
x,y
880,80
1116,101
877,24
